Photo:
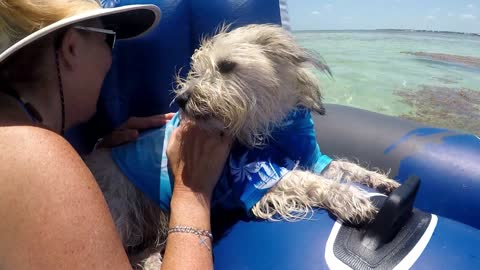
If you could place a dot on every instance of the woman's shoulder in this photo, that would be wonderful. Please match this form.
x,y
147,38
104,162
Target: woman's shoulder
x,y
32,155
26,132
30,142
51,207
35,159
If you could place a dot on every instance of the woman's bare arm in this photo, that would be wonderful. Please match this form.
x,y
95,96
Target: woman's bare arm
x,y
184,250
53,215
196,158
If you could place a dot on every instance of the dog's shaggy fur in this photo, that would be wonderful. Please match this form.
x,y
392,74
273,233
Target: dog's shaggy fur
x,y
244,82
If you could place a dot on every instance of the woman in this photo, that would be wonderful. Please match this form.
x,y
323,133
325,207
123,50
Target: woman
x,y
54,56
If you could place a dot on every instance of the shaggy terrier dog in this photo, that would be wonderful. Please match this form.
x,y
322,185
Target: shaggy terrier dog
x,y
254,83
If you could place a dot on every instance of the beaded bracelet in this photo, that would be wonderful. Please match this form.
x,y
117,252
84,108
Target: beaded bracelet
x,y
195,231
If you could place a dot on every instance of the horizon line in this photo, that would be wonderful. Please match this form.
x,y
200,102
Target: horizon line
x,y
391,29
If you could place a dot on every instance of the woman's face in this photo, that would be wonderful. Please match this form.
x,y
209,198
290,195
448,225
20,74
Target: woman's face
x,y
92,59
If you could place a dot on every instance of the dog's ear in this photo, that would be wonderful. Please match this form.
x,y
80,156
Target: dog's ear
x,y
281,47
279,44
309,95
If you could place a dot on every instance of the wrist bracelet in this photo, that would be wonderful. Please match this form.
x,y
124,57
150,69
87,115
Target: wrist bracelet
x,y
187,229
197,232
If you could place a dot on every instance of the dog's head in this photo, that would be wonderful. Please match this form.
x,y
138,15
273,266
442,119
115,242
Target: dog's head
x,y
245,81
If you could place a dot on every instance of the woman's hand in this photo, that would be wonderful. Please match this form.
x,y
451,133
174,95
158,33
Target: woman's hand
x,y
196,158
129,130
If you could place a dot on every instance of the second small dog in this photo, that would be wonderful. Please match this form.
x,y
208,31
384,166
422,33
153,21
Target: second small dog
x,y
253,83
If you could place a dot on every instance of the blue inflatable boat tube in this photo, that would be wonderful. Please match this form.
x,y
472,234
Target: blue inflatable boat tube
x,y
448,162
445,244
446,224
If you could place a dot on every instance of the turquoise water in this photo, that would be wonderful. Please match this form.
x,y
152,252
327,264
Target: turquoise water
x,y
369,68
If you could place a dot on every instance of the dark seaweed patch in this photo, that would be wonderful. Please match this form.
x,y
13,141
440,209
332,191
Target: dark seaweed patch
x,y
453,108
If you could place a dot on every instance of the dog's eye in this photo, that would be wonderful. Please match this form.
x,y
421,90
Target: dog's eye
x,y
226,66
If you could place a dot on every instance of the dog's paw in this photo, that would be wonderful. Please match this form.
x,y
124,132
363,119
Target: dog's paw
x,y
153,262
387,186
353,207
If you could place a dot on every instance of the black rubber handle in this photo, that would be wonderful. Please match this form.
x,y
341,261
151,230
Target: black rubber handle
x,y
393,215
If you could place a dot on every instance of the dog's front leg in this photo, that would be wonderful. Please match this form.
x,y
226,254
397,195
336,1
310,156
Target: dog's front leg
x,y
339,170
299,191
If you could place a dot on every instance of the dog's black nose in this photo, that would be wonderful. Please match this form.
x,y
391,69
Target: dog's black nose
x,y
182,100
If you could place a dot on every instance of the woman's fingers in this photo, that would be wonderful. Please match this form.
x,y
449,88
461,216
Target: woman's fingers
x,y
129,130
147,122
118,137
